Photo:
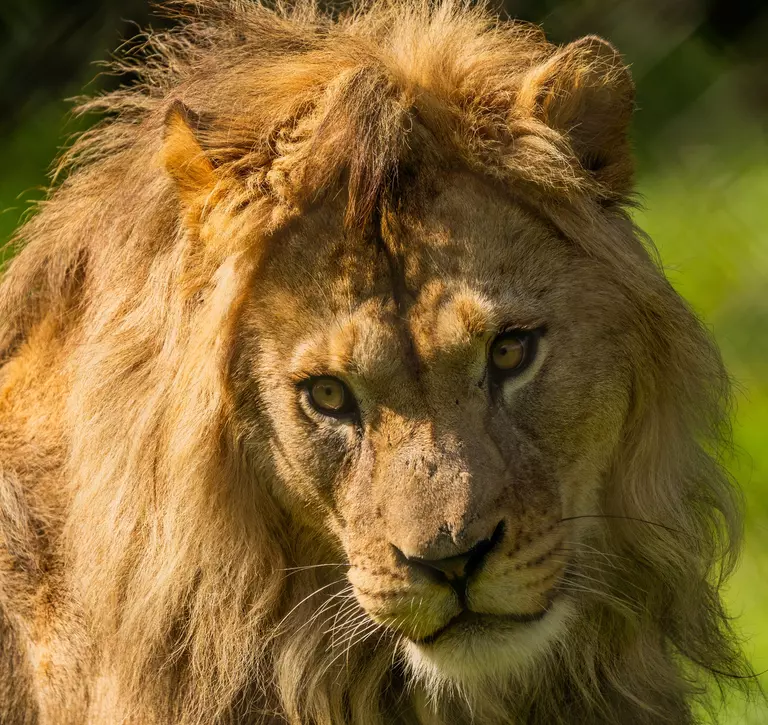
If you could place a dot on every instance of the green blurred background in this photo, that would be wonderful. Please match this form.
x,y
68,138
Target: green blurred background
x,y
701,137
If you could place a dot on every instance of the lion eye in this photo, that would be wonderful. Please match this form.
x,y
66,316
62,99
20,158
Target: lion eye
x,y
511,351
330,396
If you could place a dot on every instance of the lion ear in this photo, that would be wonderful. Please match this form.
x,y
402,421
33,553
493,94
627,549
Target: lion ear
x,y
585,92
184,158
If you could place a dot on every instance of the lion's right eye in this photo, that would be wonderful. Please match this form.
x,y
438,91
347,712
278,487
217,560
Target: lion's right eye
x,y
512,352
331,397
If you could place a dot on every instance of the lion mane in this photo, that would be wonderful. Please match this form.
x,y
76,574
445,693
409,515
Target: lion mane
x,y
146,575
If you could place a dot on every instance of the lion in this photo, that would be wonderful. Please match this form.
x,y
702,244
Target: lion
x,y
338,386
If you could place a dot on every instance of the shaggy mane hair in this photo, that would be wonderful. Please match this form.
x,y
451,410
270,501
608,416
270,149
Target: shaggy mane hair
x,y
161,532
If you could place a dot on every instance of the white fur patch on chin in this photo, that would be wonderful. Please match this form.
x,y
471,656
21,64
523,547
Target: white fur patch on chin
x,y
477,658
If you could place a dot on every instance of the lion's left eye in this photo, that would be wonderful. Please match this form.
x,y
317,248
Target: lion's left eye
x,y
511,352
330,396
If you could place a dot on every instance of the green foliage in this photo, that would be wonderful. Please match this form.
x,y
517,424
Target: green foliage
x,y
27,153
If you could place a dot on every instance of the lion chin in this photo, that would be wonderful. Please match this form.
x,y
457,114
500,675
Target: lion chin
x,y
475,652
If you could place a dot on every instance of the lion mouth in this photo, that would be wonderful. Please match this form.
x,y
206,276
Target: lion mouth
x,y
467,619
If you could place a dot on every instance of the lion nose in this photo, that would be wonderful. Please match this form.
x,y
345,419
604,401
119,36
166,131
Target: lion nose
x,y
456,570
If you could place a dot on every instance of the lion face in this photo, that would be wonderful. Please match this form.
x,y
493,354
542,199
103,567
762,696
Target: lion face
x,y
445,398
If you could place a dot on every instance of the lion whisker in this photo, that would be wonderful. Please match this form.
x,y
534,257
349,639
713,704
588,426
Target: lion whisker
x,y
354,626
582,547
309,596
328,604
578,570
606,595
336,626
344,609
367,630
310,566
592,565
635,519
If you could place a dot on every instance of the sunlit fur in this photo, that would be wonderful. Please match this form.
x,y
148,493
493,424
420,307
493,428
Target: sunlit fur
x,y
155,564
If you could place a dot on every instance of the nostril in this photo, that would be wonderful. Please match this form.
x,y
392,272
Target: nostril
x,y
482,548
498,534
452,568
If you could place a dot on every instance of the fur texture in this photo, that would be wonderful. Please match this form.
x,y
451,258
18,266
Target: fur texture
x,y
285,195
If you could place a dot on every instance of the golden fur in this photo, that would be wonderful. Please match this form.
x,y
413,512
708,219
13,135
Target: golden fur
x,y
285,194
